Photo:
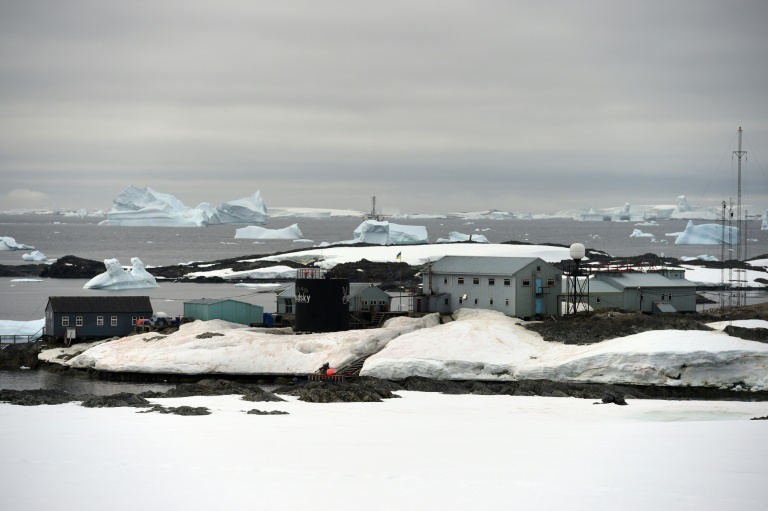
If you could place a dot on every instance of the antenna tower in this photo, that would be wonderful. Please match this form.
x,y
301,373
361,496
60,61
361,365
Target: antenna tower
x,y
741,238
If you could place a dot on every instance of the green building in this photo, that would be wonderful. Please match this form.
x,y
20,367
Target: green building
x,y
223,308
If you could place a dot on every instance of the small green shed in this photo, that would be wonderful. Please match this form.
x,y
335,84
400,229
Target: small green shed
x,y
233,311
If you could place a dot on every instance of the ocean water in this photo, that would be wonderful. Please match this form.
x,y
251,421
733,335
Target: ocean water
x,y
57,236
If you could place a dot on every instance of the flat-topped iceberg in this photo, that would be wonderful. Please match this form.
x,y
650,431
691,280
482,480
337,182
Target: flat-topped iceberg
x,y
292,232
386,233
143,206
117,278
457,237
8,243
707,234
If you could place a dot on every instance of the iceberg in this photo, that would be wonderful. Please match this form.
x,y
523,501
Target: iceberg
x,y
248,210
764,225
707,234
8,243
291,232
386,233
34,256
143,206
637,233
117,278
456,237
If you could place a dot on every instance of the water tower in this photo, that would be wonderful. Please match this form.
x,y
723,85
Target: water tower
x,y
577,283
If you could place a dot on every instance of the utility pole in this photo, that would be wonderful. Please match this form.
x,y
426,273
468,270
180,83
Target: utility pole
x,y
741,239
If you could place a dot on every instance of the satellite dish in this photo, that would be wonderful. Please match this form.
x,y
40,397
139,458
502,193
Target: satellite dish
x,y
578,251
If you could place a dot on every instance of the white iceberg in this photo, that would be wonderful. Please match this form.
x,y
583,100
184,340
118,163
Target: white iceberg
x,y
34,256
764,224
707,234
143,206
117,278
386,233
248,210
702,257
456,237
637,233
136,206
8,243
292,232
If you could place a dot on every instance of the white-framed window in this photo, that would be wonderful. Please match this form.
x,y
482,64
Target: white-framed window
x,y
65,321
99,320
507,282
461,300
382,302
445,280
490,301
476,281
475,301
460,280
491,282
365,303
526,282
506,302
78,321
134,320
288,306
551,281
113,321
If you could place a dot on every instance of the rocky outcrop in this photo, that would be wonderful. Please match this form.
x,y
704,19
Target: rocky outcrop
x,y
73,267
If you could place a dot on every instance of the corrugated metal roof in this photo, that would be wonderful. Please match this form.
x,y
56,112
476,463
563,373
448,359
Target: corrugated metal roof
x,y
479,265
640,279
100,303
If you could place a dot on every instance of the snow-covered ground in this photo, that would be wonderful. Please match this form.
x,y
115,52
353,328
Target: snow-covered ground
x,y
424,451
478,345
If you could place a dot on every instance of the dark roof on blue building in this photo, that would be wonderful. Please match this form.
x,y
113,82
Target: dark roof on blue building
x,y
100,303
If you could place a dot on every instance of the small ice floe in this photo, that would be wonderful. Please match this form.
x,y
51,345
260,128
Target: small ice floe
x,y
34,256
8,243
26,280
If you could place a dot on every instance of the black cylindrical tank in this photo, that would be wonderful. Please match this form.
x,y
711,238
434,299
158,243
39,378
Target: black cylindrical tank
x,y
322,305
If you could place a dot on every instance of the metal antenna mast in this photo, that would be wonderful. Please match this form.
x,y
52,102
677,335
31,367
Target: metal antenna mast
x,y
741,239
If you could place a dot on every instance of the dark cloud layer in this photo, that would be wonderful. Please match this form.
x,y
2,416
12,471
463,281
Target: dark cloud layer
x,y
433,106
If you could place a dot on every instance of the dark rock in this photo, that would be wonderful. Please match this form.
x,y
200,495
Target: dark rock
x,y
36,397
123,399
750,334
759,418
617,400
260,412
15,356
208,335
211,387
179,410
73,267
421,384
327,391
21,270
260,396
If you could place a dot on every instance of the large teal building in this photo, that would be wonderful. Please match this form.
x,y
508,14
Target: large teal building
x,y
233,311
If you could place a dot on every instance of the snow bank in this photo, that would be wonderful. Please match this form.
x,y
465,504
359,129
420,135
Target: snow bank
x,y
219,347
291,232
486,345
271,273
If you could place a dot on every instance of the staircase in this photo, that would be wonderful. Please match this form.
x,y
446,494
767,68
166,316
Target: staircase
x,y
353,368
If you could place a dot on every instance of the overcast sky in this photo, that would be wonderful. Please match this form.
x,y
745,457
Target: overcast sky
x,y
432,106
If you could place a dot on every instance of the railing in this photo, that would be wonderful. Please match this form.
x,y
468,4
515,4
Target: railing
x,y
16,339
19,339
